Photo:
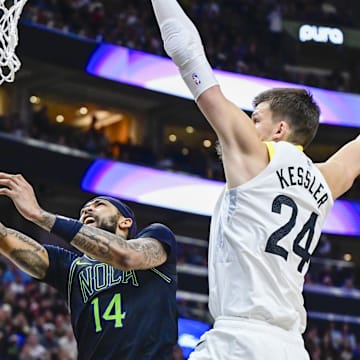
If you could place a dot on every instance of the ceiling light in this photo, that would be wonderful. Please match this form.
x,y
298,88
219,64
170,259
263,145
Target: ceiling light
x,y
34,99
83,110
60,118
172,138
207,143
189,129
347,257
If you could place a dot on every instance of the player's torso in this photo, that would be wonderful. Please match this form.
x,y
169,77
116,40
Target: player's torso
x,y
262,236
116,314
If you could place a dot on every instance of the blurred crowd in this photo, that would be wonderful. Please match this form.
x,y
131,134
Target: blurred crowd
x,y
331,341
34,321
240,36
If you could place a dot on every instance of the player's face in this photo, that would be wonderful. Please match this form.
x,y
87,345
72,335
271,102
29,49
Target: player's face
x,y
101,214
263,120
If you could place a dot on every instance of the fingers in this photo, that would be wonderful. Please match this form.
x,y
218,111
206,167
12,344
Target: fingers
x,y
10,183
5,191
7,182
16,178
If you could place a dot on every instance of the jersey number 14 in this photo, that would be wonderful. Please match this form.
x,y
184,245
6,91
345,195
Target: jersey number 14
x,y
112,312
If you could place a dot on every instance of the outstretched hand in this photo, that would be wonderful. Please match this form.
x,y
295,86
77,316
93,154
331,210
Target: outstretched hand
x,y
21,193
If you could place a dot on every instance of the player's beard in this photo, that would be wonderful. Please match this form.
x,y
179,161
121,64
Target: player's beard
x,y
108,224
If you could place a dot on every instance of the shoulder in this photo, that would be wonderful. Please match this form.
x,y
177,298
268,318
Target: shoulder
x,y
159,232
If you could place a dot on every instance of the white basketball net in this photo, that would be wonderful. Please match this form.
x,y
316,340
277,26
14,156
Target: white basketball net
x,y
10,11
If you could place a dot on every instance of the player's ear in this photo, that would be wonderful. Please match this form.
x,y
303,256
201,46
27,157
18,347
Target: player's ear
x,y
124,223
281,131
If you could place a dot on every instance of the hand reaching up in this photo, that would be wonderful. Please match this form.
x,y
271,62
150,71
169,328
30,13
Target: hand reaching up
x,y
22,194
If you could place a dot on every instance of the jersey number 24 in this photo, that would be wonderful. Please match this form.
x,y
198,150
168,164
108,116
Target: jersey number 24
x,y
306,231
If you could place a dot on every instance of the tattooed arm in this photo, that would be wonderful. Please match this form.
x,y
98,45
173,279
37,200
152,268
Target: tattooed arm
x,y
24,252
136,254
142,253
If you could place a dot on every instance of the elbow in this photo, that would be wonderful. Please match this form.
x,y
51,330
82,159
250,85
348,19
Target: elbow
x,y
38,274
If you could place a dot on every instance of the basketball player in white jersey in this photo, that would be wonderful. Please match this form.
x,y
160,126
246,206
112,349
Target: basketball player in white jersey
x,y
267,222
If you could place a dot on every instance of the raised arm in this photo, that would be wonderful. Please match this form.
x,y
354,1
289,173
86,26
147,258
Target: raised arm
x,y
24,252
241,146
142,253
113,249
342,168
135,254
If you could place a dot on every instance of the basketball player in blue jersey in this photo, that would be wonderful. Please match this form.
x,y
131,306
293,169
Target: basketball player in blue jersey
x,y
268,219
121,292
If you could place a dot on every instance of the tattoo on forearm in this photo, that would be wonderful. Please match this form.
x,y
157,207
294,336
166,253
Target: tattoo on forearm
x,y
47,220
110,248
29,259
105,247
27,240
92,242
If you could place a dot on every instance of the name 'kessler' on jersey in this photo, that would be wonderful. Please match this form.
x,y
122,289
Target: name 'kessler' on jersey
x,y
292,176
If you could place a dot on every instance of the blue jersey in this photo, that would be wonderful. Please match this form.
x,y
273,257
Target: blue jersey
x,y
119,315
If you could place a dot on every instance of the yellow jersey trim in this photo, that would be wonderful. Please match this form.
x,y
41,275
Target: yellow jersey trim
x,y
271,148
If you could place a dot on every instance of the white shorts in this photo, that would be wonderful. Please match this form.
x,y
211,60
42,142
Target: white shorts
x,y
233,339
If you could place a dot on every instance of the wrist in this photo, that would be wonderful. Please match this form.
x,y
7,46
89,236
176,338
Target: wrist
x,y
37,216
43,219
198,76
66,228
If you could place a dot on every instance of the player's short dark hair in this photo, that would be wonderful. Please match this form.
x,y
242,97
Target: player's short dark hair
x,y
297,107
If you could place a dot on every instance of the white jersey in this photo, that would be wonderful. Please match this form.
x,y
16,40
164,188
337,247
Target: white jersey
x,y
262,235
